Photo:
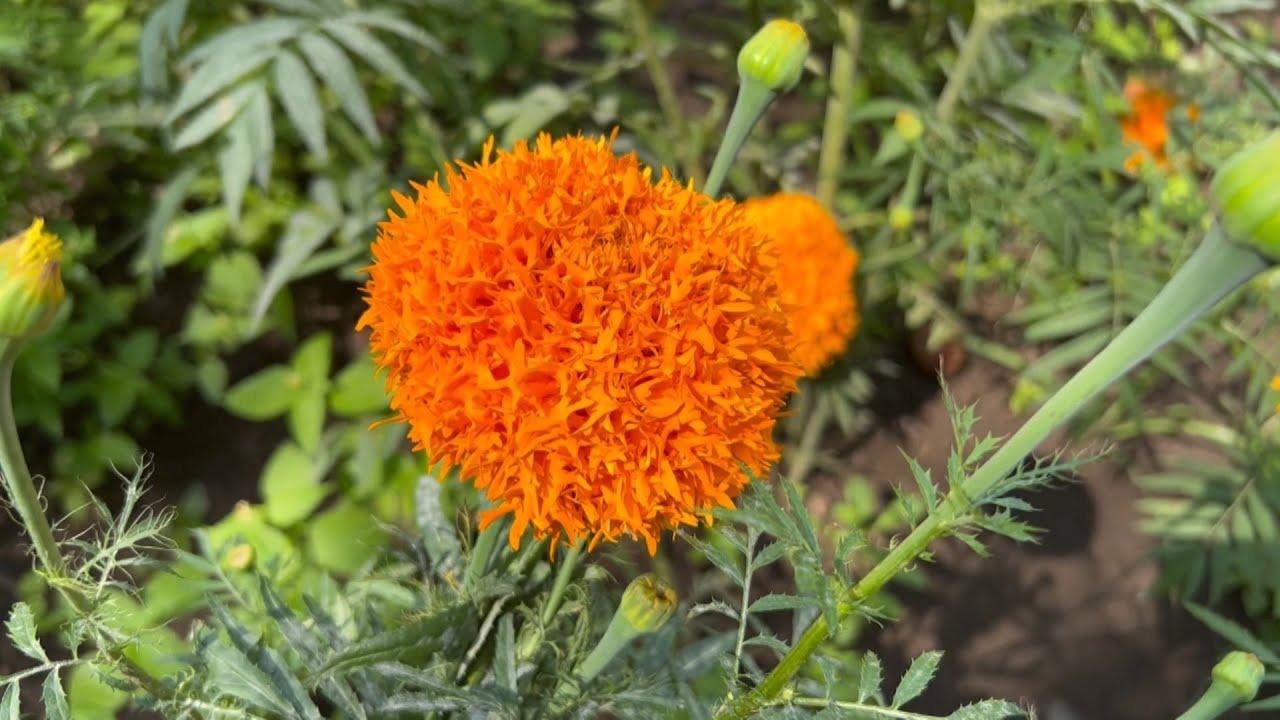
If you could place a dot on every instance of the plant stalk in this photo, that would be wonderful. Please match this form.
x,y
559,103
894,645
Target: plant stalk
x,y
753,99
568,564
835,126
1216,268
985,19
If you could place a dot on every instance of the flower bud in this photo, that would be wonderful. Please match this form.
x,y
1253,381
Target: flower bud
x,y
647,604
31,288
1246,194
908,125
1241,673
900,217
775,55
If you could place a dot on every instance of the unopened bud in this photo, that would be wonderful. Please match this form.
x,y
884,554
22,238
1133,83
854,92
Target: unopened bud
x,y
1246,194
647,604
775,55
900,217
31,288
1241,672
908,125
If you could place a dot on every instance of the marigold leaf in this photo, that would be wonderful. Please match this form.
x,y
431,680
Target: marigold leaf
x,y
924,482
10,707
504,656
1233,632
720,558
297,92
297,700
989,709
439,537
21,626
55,698
332,66
444,632
870,678
235,676
775,601
916,678
697,658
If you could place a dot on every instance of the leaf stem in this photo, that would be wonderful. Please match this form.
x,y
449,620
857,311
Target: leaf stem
x,y
568,564
668,101
1216,268
753,99
835,126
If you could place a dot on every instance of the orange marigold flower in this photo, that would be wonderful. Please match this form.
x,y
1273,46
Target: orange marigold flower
x,y
601,354
1147,125
1275,385
815,275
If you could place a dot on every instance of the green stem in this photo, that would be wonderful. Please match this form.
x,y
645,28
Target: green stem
x,y
17,478
568,564
486,542
1215,701
753,100
985,18
1216,268
835,127
668,101
815,422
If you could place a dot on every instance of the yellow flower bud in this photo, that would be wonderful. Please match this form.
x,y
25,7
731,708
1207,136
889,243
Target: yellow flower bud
x,y
775,55
900,217
647,604
908,125
1246,193
31,288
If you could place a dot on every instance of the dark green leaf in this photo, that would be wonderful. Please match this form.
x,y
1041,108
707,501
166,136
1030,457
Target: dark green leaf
x,y
333,68
444,632
504,654
235,676
297,92
917,678
439,536
166,207
773,602
720,558
271,666
1234,633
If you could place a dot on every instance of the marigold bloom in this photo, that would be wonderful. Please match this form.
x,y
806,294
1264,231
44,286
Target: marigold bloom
x,y
1275,385
601,354
815,275
31,289
1147,125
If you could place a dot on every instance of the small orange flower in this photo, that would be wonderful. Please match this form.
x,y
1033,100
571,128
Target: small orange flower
x,y
1147,125
602,354
1275,385
815,275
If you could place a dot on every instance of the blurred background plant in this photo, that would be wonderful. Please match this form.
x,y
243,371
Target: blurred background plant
x,y
217,170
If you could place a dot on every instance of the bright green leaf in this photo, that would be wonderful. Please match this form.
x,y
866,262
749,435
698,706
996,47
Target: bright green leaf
x,y
357,390
345,537
215,76
21,626
264,395
291,486
297,92
916,678
55,698
330,63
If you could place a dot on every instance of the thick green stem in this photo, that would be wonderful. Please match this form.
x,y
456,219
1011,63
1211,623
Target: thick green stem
x,y
753,100
835,127
1216,268
17,478
985,18
668,101
1213,703
478,563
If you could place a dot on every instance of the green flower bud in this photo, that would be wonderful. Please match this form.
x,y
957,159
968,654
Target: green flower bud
x,y
1241,673
900,217
775,55
31,288
908,125
647,604
1246,194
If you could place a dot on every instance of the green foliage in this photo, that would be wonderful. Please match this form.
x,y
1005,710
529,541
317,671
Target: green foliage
x,y
1240,637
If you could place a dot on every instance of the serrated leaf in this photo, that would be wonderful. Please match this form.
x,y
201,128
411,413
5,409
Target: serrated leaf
x,y
234,676
720,558
769,554
439,537
297,701
924,482
360,42
916,678
305,232
215,116
697,658
55,698
990,709
297,92
21,626
443,632
870,677
774,602
10,707
1234,633
332,66
216,76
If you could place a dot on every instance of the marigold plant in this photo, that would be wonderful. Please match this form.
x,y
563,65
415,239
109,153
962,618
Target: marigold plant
x,y
604,355
1147,125
815,275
